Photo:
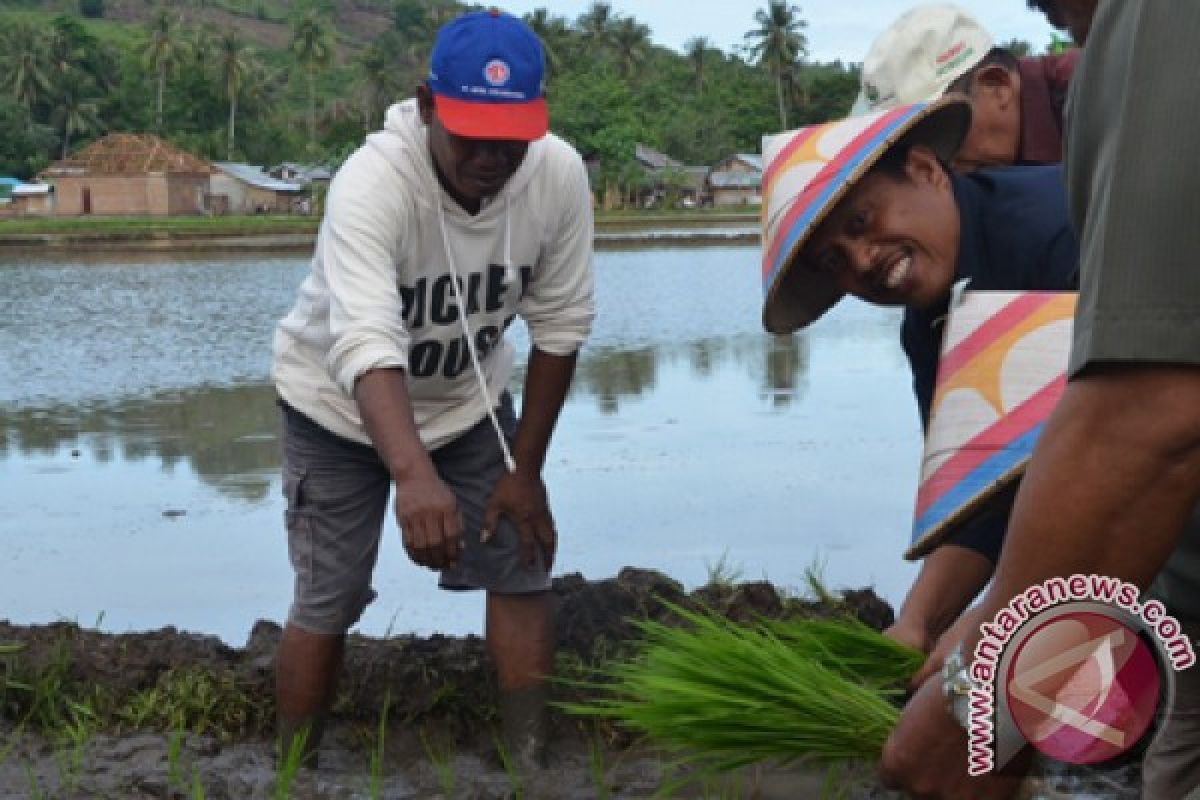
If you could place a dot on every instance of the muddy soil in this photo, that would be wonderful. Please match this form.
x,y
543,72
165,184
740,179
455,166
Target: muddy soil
x,y
170,714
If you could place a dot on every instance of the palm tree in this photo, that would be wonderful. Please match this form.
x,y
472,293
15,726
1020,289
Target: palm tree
x,y
630,41
163,52
696,49
235,62
376,73
595,25
24,66
74,110
553,32
778,42
313,47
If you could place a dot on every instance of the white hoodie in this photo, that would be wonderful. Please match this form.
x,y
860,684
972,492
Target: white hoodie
x,y
380,294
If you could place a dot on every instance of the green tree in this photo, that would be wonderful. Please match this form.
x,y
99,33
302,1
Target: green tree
x,y
630,42
25,145
235,63
595,26
696,49
163,52
92,9
76,110
554,33
778,43
312,45
24,66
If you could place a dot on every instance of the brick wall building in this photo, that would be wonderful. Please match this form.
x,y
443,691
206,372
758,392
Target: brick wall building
x,y
129,174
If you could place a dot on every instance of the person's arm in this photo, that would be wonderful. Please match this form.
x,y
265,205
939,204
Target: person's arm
x,y
950,579
1110,486
521,494
426,509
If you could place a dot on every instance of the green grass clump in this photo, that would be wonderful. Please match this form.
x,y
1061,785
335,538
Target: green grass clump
x,y
199,701
724,696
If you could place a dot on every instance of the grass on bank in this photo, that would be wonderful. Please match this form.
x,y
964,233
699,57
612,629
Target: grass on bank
x,y
291,223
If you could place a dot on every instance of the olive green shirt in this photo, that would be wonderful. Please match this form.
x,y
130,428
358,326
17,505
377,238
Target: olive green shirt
x,y
1133,180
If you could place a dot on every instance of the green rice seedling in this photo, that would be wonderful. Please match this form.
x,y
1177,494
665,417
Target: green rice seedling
x,y
377,752
197,785
597,768
174,758
290,763
723,696
441,761
851,648
515,781
35,788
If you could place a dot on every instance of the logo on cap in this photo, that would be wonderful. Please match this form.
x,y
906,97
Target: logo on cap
x,y
496,72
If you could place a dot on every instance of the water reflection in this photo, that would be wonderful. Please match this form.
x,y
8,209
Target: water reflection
x,y
228,435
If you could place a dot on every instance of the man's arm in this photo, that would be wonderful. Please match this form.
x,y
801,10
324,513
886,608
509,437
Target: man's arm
x,y
1110,486
521,495
426,509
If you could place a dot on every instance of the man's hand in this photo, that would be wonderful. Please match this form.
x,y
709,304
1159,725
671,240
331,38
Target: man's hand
x,y
430,523
521,496
926,755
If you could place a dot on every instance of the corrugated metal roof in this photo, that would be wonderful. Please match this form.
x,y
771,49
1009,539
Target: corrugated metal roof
x,y
31,189
735,180
256,177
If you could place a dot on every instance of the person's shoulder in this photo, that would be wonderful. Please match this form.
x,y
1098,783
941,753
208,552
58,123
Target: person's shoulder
x,y
558,153
1055,67
1022,184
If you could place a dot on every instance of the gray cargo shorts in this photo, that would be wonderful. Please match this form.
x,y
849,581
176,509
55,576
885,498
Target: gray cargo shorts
x,y
337,498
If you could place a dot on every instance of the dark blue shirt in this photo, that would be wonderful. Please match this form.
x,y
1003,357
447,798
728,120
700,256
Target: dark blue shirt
x,y
1014,234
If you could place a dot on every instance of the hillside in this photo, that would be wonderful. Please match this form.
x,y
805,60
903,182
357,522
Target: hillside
x,y
271,80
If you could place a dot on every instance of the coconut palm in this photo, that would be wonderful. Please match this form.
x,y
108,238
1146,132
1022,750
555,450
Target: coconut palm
x,y
553,32
376,74
75,111
595,25
696,49
235,62
162,51
630,43
779,43
24,66
312,45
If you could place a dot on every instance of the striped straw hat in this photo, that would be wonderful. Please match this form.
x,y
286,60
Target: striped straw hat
x,y
808,171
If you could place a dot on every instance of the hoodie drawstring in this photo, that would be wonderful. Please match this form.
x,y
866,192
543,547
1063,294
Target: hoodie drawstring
x,y
509,463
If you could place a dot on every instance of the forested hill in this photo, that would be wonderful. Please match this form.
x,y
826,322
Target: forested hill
x,y
271,80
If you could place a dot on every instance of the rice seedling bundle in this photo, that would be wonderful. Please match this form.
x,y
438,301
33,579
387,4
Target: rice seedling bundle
x,y
725,695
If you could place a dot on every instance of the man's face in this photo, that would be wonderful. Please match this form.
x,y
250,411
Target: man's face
x,y
995,135
469,169
892,240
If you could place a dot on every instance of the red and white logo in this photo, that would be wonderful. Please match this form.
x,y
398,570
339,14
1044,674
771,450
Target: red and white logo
x,y
1083,687
496,72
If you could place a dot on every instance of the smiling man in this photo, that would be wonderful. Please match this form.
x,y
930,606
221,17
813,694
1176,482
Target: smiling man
x,y
392,368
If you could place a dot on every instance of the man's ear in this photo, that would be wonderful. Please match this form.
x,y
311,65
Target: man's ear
x,y
923,168
998,83
425,103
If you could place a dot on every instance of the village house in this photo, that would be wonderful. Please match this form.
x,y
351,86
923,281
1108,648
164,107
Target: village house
x,y
304,174
670,180
19,199
247,189
736,180
129,174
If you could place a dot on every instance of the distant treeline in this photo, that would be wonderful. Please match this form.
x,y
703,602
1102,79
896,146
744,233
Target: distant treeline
x,y
266,81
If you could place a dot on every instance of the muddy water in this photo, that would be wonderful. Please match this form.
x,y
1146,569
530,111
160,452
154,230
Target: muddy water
x,y
138,449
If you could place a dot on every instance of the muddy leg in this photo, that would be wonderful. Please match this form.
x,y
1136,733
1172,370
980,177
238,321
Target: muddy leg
x,y
520,639
306,673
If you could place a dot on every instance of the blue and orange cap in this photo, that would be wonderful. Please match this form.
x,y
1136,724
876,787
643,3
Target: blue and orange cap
x,y
486,74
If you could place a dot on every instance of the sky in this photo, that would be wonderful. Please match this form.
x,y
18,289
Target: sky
x,y
837,29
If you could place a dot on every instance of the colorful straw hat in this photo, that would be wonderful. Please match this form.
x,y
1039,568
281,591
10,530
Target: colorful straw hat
x,y
809,171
